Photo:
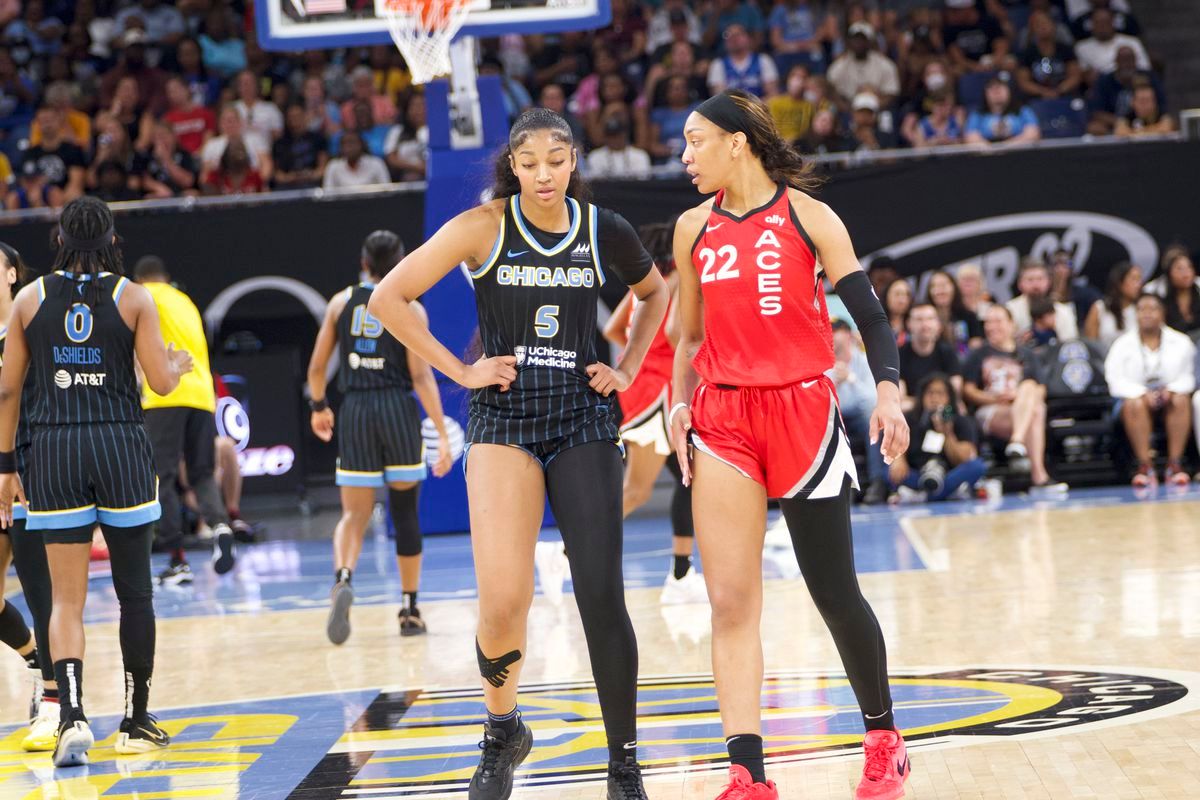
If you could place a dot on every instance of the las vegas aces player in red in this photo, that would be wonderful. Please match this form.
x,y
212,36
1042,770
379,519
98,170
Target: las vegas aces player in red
x,y
762,418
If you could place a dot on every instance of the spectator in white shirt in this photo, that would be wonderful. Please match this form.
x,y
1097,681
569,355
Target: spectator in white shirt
x,y
1033,280
1115,314
658,32
260,117
742,68
1098,55
1152,370
617,157
860,68
231,126
355,167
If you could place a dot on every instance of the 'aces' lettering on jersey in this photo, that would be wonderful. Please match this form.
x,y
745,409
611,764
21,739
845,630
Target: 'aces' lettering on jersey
x,y
371,357
536,295
81,351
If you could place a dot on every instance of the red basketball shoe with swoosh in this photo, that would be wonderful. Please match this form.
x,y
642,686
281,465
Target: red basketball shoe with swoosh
x,y
742,787
887,767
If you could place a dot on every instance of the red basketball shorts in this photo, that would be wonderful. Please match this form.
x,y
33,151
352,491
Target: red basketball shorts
x,y
788,438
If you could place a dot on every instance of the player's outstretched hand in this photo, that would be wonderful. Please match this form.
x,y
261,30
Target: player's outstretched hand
x,y
322,424
181,360
445,459
10,490
606,380
495,371
681,426
888,420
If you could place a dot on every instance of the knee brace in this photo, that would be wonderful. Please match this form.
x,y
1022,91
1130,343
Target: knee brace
x,y
403,507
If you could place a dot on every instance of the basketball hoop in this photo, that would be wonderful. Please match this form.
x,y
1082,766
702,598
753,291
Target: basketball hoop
x,y
422,30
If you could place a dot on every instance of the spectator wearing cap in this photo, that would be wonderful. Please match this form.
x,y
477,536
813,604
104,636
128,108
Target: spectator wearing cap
x,y
861,67
1033,281
362,89
32,190
673,20
1145,117
727,13
1112,96
969,35
192,124
741,67
299,154
258,115
942,125
355,167
162,23
864,124
617,157
796,29
222,51
1003,119
151,81
1098,55
516,96
233,128
1151,369
1048,68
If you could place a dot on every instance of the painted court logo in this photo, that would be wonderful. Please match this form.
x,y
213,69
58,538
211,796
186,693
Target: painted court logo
x,y
429,743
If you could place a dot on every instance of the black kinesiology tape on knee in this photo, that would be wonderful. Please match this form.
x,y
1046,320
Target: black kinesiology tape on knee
x,y
403,506
495,670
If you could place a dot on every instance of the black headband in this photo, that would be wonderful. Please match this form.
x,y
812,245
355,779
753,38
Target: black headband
x,y
722,111
86,245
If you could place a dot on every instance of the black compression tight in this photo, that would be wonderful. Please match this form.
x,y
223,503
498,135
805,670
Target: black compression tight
x,y
584,484
681,502
824,549
129,555
29,558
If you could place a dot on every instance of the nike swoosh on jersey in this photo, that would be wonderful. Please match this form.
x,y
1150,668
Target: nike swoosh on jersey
x,y
511,254
711,228
806,384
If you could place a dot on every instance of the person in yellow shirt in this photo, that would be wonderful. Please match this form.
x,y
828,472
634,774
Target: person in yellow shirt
x,y
77,125
183,428
792,111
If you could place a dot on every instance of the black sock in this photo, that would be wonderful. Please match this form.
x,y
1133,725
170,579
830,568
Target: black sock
x,y
884,722
621,752
50,694
410,603
31,660
343,574
68,672
13,630
137,692
746,750
177,557
682,565
510,723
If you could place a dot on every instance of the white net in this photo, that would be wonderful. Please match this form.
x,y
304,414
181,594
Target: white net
x,y
422,30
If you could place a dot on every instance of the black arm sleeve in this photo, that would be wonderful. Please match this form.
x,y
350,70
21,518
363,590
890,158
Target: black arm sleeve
x,y
863,305
621,251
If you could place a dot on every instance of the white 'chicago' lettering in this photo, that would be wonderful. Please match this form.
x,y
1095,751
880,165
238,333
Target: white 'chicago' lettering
x,y
574,277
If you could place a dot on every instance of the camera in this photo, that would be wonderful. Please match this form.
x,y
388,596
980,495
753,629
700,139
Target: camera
x,y
932,477
947,413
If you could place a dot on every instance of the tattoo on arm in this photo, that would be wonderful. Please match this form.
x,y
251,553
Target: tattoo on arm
x,y
495,670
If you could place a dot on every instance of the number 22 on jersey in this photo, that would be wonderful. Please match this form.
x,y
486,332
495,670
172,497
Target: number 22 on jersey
x,y
722,264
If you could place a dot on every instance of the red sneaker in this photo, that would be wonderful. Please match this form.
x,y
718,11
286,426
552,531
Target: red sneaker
x,y
742,787
886,769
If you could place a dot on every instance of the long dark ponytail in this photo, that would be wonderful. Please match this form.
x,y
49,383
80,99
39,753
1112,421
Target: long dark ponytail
x,y
84,220
505,182
781,161
17,263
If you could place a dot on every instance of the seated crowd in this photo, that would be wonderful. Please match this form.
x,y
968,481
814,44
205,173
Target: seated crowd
x,y
134,99
974,371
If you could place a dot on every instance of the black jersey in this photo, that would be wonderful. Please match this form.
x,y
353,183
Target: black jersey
x,y
537,295
371,357
23,435
81,353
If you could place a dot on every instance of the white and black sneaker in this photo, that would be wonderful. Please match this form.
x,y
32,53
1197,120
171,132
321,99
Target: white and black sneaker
x,y
74,741
493,778
625,781
337,627
140,736
224,554
175,575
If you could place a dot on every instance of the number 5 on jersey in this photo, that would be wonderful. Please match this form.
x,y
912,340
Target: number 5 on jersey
x,y
545,321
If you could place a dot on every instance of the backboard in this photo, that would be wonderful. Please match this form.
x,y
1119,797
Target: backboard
x,y
318,24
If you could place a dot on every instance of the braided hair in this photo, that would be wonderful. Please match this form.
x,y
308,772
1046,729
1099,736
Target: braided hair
x,y
87,219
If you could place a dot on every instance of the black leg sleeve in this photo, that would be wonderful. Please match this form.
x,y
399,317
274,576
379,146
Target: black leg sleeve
x,y
129,555
681,502
584,486
29,557
824,549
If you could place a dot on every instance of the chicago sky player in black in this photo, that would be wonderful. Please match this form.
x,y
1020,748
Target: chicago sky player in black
x,y
76,332
542,422
379,432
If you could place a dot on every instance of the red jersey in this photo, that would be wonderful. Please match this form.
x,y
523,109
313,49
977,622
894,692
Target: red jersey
x,y
651,386
190,127
765,321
